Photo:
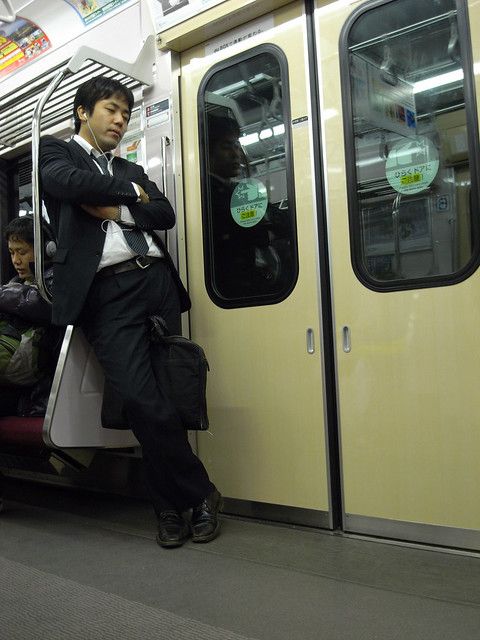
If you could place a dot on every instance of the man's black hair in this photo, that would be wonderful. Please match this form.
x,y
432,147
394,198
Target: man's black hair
x,y
95,89
220,127
20,229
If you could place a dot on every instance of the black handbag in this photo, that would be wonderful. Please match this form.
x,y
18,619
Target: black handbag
x,y
181,367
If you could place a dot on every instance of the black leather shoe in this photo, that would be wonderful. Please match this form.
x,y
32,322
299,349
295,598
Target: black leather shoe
x,y
205,523
173,530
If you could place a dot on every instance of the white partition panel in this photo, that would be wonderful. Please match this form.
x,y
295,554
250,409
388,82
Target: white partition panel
x,y
74,408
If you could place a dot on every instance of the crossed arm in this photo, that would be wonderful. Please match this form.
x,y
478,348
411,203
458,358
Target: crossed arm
x,y
111,212
98,195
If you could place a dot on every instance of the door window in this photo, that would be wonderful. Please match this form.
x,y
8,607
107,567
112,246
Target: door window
x,y
411,142
247,180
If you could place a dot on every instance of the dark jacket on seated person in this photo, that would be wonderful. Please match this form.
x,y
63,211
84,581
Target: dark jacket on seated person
x,y
22,307
21,301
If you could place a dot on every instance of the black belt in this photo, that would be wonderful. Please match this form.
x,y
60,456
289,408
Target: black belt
x,y
140,262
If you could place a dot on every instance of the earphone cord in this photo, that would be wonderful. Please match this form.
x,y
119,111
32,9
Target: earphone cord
x,y
98,146
105,226
104,229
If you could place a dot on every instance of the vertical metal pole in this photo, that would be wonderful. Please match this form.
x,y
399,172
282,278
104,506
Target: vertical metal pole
x,y
36,198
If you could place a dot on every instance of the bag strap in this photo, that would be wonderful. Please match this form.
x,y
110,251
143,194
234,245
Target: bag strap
x,y
159,327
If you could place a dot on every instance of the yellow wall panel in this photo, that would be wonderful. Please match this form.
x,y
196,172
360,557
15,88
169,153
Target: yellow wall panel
x,y
408,398
267,437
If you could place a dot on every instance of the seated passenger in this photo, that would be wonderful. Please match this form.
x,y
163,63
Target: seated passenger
x,y
28,344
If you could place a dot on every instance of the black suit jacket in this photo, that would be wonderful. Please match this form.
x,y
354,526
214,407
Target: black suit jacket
x,y
69,178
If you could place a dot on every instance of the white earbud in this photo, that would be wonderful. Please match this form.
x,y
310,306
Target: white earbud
x,y
50,249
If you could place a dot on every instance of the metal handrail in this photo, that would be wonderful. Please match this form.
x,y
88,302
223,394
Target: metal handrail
x,y
36,198
164,143
141,70
11,16
408,28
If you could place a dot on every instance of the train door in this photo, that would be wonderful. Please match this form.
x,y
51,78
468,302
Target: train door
x,y
404,251
252,265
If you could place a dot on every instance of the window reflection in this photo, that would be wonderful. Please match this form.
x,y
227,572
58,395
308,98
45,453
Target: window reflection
x,y
412,208
249,225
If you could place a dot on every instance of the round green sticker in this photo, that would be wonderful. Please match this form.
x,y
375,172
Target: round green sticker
x,y
249,201
411,166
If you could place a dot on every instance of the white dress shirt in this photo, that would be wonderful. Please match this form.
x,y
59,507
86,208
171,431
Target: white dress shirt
x,y
116,249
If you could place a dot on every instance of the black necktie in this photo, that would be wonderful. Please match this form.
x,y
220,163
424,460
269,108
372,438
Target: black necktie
x,y
133,236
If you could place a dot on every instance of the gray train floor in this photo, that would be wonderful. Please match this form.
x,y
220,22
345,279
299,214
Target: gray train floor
x,y
84,565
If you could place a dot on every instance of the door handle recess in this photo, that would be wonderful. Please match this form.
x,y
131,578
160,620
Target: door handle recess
x,y
164,143
310,341
347,344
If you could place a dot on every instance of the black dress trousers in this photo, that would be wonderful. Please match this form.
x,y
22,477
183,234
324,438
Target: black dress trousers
x,y
115,322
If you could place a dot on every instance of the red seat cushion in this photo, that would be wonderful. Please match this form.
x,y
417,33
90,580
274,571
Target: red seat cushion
x,y
25,431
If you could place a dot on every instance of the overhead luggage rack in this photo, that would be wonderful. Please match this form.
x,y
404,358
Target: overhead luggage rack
x,y
17,107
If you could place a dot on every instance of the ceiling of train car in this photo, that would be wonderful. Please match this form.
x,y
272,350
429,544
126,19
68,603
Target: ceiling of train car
x,y
397,30
252,92
393,37
395,17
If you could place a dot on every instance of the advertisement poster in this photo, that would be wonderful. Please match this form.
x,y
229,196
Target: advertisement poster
x,y
382,99
132,147
21,42
171,12
91,10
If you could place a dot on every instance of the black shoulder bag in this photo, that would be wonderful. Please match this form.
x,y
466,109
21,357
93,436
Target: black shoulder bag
x,y
180,365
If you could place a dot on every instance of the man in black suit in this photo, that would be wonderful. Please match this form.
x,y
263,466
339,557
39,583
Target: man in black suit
x,y
111,273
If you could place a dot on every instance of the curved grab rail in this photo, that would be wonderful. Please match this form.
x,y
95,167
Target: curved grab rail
x,y
36,199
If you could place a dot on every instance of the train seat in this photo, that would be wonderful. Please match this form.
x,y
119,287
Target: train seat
x,y
21,431
73,417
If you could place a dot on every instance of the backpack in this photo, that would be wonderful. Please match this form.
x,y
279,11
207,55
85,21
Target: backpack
x,y
19,351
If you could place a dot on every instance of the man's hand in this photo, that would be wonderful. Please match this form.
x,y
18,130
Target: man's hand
x,y
104,213
144,199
